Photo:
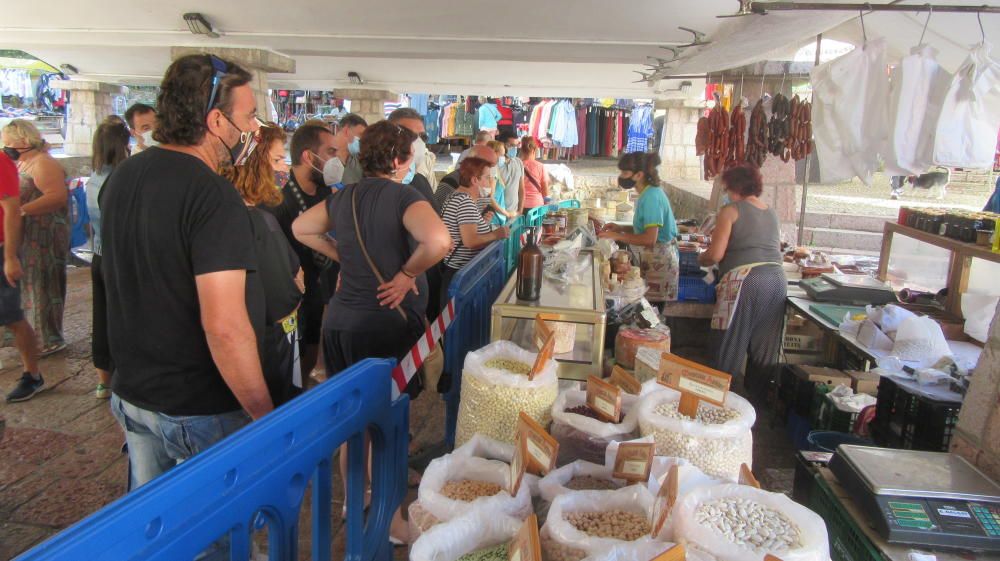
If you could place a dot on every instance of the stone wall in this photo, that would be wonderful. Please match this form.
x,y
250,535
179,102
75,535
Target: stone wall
x,y
89,104
977,436
678,150
369,104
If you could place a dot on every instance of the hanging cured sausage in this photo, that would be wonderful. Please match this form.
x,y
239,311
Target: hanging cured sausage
x,y
717,141
800,129
737,132
779,127
757,144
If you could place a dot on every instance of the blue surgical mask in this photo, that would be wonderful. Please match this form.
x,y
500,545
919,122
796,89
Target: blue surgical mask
x,y
411,173
354,147
511,152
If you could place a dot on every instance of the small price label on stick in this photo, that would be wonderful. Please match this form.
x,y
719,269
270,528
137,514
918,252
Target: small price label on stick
x,y
605,399
526,545
634,460
675,553
696,383
542,331
665,500
517,467
621,378
541,450
747,478
543,358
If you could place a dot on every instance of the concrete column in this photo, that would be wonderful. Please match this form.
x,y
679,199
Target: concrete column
x,y
779,194
258,62
89,104
977,436
678,149
367,103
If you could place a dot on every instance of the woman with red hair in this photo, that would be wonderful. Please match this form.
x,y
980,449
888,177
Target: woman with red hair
x,y
750,307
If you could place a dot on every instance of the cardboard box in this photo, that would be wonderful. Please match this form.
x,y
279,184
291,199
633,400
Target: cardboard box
x,y
864,382
830,376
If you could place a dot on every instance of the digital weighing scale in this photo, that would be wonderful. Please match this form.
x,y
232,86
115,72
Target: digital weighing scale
x,y
922,498
848,289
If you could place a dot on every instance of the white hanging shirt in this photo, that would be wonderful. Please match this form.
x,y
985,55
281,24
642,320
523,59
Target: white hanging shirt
x,y
850,112
919,85
970,116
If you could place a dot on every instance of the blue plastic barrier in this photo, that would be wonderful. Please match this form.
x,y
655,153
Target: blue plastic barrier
x,y
572,203
512,245
475,288
265,468
534,216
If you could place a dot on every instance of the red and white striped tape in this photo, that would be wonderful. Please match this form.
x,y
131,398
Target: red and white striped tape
x,y
408,366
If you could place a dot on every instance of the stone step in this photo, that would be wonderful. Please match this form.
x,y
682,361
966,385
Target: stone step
x,y
854,222
846,239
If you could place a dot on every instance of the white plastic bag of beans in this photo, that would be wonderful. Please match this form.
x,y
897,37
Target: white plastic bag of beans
x,y
644,552
463,477
480,446
460,536
736,522
689,476
717,442
585,438
495,388
587,523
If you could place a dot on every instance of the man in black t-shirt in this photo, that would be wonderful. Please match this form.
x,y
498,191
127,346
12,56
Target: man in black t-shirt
x,y
311,147
178,257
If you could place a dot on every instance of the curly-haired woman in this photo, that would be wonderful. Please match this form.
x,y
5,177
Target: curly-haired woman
x,y
278,268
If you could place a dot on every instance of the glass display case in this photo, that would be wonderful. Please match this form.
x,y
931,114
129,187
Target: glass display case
x,y
919,260
579,304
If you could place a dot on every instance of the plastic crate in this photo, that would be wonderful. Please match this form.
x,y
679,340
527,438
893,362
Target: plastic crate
x,y
847,541
832,418
689,263
694,289
913,422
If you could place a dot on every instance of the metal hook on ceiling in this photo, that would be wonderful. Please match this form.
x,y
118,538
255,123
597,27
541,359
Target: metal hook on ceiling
x,y
930,12
979,18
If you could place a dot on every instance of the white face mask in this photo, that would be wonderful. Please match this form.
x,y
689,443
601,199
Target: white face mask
x,y
333,171
147,139
419,151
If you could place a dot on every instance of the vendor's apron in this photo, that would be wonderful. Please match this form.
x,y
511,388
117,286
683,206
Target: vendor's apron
x,y
660,267
727,294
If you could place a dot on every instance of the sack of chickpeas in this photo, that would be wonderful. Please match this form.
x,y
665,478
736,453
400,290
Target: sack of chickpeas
x,y
737,522
477,536
480,446
456,485
587,523
718,440
495,388
581,434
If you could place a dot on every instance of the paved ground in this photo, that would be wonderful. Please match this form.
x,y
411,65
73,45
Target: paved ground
x,y
60,456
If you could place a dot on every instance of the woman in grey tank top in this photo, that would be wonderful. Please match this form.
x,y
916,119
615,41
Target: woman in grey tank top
x,y
750,309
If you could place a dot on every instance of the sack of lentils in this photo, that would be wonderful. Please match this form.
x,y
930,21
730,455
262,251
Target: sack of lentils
x,y
477,536
581,434
737,522
495,388
585,523
456,485
717,440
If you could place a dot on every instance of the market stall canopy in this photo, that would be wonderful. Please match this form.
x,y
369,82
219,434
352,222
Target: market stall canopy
x,y
521,47
778,35
29,64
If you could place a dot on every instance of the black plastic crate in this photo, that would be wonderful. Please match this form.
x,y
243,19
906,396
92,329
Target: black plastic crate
x,y
829,417
913,422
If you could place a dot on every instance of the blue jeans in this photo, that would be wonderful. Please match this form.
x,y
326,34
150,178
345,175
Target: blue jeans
x,y
158,442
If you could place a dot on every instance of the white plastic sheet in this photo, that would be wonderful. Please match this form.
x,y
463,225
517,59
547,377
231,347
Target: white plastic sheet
x,y
970,116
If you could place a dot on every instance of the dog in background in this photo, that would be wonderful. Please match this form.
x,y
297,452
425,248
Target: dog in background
x,y
932,180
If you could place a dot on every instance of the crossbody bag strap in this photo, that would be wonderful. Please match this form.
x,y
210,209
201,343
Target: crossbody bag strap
x,y
364,250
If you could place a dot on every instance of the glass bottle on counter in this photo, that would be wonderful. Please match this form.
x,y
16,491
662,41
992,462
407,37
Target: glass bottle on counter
x,y
529,269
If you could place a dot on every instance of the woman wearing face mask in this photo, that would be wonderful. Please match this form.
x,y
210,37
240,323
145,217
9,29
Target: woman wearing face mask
x,y
45,237
750,311
469,230
495,196
111,142
654,231
388,236
278,269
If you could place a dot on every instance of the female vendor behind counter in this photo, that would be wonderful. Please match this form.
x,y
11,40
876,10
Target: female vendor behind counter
x,y
750,306
653,231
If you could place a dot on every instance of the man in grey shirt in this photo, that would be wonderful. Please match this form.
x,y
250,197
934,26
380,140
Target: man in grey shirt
x,y
511,172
